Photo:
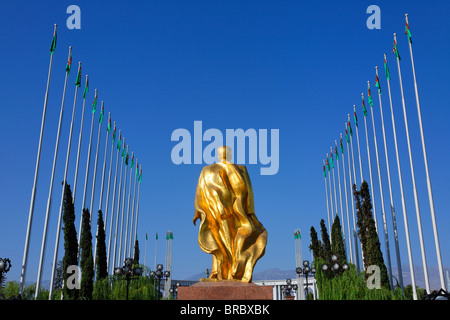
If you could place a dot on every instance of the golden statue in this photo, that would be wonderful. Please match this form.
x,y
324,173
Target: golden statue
x,y
229,229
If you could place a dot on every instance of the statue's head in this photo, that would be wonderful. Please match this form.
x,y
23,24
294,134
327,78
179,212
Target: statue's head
x,y
224,153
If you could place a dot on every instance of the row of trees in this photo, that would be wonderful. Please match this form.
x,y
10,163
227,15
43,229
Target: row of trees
x,y
351,284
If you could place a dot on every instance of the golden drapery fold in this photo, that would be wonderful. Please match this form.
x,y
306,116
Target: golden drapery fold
x,y
229,229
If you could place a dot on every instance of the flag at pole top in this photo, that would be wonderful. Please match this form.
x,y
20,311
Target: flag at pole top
x,y
386,69
137,167
328,163
369,95
377,83
126,159
114,133
86,87
146,238
408,31
364,105
355,117
53,45
94,103
350,128
108,128
324,171
69,61
140,175
132,161
346,135
123,150
331,160
342,146
157,236
395,50
100,120
78,81
297,235
336,151
119,144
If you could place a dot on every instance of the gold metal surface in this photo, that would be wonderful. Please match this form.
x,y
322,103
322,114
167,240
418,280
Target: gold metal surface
x,y
229,229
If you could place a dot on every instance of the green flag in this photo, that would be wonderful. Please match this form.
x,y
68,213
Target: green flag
x,y
123,151
355,117
364,107
108,128
342,146
53,45
86,88
171,235
386,69
78,81
69,63
346,136
350,128
146,236
157,236
369,97
336,152
140,176
132,161
126,159
395,50
324,171
377,84
328,164
119,143
100,120
331,160
114,134
137,168
408,32
94,103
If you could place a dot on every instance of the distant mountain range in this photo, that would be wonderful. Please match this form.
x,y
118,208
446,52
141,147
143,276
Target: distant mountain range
x,y
277,274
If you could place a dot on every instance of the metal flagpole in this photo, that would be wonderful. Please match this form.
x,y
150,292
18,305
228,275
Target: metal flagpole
x,y
107,193
86,89
346,201
102,185
132,208
416,198
351,195
351,146
340,193
118,207
36,171
331,195
430,193
405,218
359,150
394,219
100,120
125,247
334,183
123,206
370,166
94,106
137,203
49,200
380,184
58,230
326,192
156,245
112,207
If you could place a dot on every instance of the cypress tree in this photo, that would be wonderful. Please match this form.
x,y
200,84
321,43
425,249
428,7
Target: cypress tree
x,y
326,245
87,260
315,245
70,241
102,271
370,242
337,240
136,252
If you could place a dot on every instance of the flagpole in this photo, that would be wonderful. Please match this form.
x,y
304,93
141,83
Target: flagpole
x,y
145,255
94,105
156,245
425,158
132,208
58,230
86,88
326,193
380,185
394,219
351,196
107,193
118,202
340,193
370,170
405,218
49,199
36,171
346,201
112,209
359,150
137,203
123,208
416,198
334,183
331,196
91,207
101,188
128,213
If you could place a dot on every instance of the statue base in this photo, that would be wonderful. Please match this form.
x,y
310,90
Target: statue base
x,y
208,289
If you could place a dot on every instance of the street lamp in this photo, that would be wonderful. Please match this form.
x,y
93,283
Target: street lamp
x,y
306,270
5,265
335,266
128,271
174,290
160,274
288,287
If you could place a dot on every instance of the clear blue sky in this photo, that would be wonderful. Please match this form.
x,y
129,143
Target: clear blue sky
x,y
296,66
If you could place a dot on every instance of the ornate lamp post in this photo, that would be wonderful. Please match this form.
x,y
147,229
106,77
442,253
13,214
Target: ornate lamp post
x,y
335,266
174,290
288,287
306,270
159,273
5,265
128,271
